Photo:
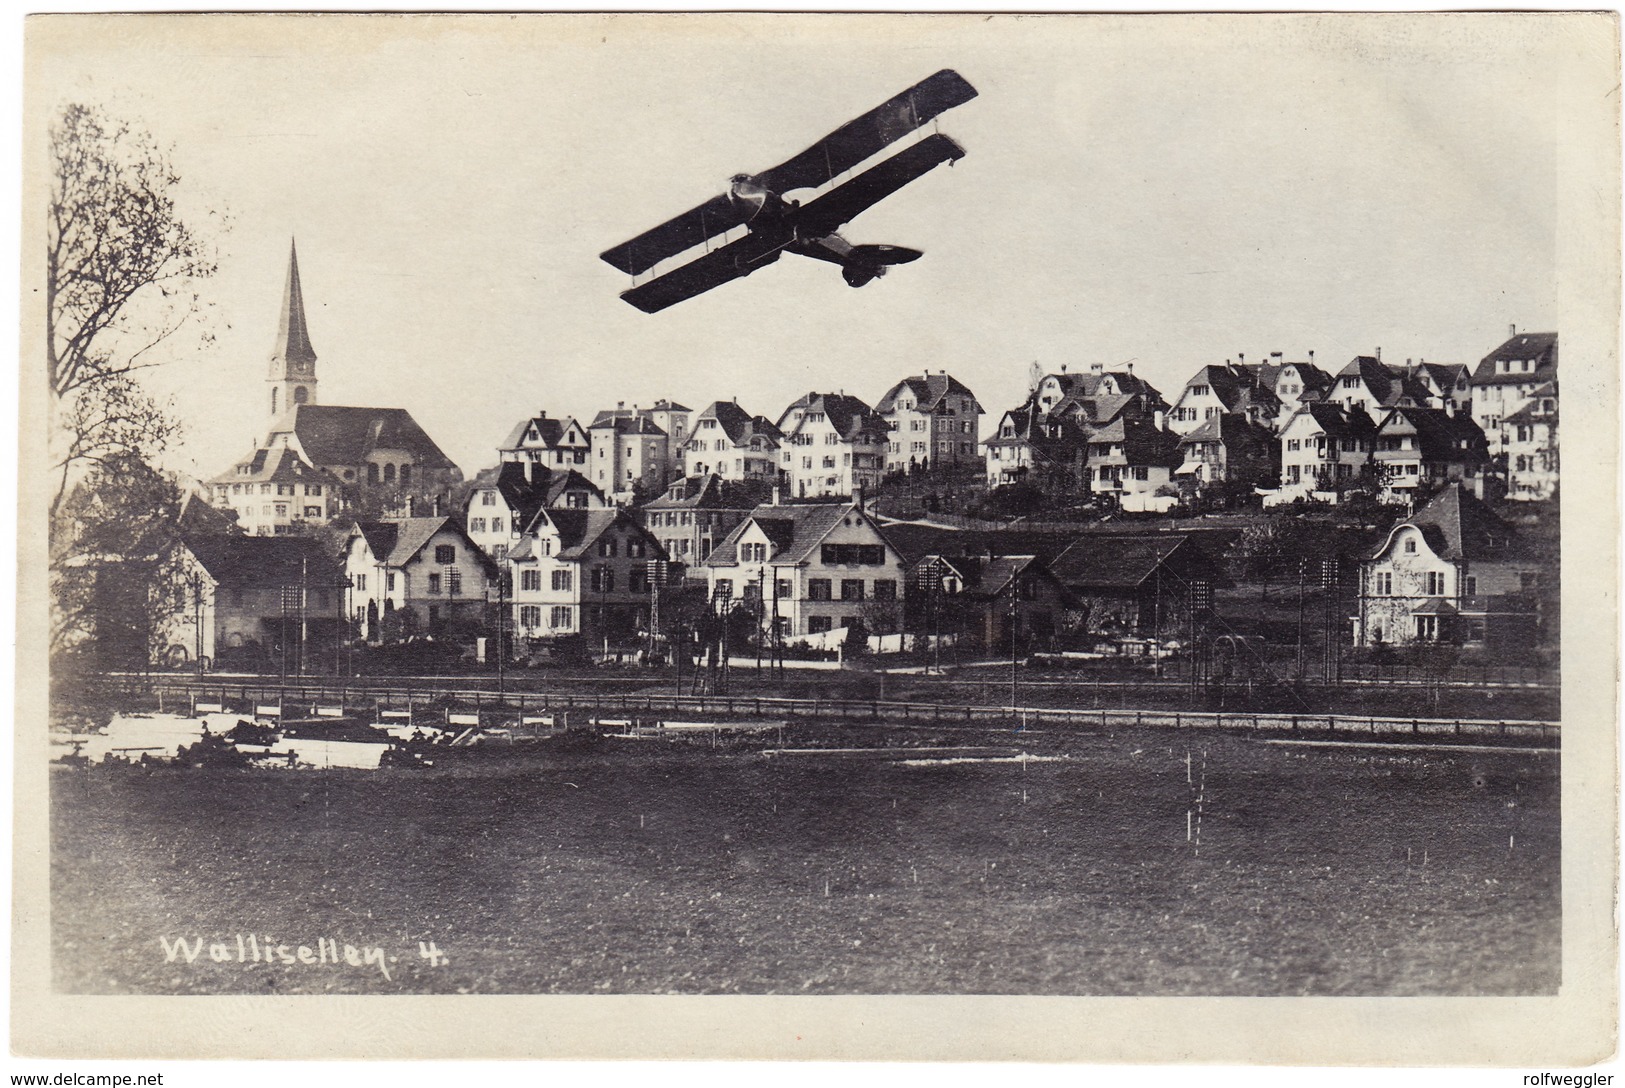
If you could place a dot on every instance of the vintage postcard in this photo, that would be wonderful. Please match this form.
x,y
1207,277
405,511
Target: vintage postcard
x,y
819,536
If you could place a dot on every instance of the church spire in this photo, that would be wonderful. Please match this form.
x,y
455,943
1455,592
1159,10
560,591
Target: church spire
x,y
293,363
292,335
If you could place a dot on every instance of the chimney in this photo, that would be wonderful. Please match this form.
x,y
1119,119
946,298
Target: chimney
x,y
1311,356
777,496
1275,355
1512,330
1157,418
1379,354
1095,368
1241,358
1063,368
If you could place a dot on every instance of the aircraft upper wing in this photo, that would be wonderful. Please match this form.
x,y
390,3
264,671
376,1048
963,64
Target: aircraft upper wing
x,y
858,139
730,262
843,203
675,235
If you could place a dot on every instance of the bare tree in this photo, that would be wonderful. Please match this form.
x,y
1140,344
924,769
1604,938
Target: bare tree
x,y
121,269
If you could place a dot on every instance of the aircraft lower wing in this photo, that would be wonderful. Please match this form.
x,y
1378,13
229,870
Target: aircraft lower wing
x,y
677,234
861,137
843,203
732,261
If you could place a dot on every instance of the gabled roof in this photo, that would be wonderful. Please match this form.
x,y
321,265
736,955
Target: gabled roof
x,y
1336,420
276,464
711,491
335,435
1095,410
1228,428
1051,435
915,541
196,516
579,530
1458,526
527,487
1439,435
549,432
928,390
1128,561
1538,348
238,560
398,540
1143,442
795,530
626,424
737,424
849,416
1236,387
1314,378
1532,412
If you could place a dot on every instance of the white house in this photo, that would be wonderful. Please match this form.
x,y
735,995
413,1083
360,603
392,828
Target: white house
x,y
834,445
1507,377
428,568
583,572
553,443
505,498
1325,447
934,419
809,568
729,442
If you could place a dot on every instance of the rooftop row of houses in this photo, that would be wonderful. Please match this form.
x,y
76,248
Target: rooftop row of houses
x,y
806,573
1292,425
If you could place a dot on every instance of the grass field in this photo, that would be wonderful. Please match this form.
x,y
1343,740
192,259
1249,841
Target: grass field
x,y
642,867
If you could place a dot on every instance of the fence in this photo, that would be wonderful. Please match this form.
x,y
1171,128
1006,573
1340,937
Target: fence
x,y
492,708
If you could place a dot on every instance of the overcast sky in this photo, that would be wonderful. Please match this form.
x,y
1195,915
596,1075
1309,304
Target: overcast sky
x,y
1168,191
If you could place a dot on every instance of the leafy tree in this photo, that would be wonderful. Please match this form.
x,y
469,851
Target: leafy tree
x,y
121,269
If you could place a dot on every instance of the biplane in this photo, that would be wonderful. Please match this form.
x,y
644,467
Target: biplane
x,y
777,225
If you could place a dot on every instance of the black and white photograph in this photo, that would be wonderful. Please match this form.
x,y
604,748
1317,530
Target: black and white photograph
x,y
819,507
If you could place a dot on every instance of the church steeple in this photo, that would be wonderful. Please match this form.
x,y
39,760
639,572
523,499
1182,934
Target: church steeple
x,y
293,363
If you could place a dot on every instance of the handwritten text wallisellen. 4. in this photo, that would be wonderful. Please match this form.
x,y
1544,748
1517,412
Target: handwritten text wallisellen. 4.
x,y
266,951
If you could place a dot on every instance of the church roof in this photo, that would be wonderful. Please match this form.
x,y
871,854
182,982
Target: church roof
x,y
292,334
335,435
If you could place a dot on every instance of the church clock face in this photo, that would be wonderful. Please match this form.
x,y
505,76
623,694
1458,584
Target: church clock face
x,y
301,367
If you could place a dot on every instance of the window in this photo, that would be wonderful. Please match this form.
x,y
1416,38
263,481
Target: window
x,y
265,489
1434,583
1410,545
1142,472
637,580
851,589
434,583
313,511
561,618
818,589
1427,628
313,489
360,583
783,589
603,579
1471,582
488,498
847,555
885,589
496,525
1385,584
531,580
753,553
562,581
281,509
530,616
444,554
372,474
817,624
389,582
476,525
609,546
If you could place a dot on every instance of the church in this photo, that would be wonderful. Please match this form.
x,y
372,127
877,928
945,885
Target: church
x,y
320,461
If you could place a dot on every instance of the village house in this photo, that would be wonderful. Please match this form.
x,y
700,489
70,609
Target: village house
x,y
809,568
424,571
381,456
834,445
552,443
275,492
1297,384
1137,584
698,512
1451,573
1130,459
251,602
1326,447
1448,385
630,455
731,443
584,572
1369,384
1423,448
979,599
1027,445
633,456
505,498
1053,389
1531,446
935,422
1222,390
1507,378
1229,448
